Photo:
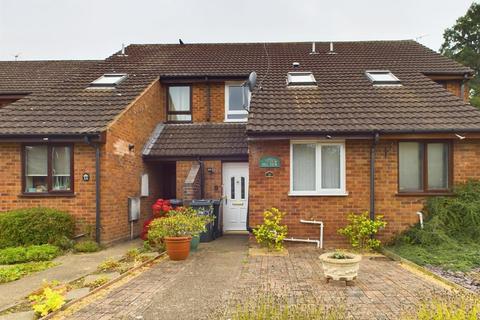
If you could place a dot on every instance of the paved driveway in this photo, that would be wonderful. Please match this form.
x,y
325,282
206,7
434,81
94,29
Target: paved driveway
x,y
221,275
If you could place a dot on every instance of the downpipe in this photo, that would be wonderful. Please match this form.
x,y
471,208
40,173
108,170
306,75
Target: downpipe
x,y
98,225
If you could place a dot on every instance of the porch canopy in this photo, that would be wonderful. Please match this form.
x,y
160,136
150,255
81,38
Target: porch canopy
x,y
226,141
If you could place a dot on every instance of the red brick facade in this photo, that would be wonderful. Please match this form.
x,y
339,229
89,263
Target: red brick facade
x,y
82,205
121,169
399,211
122,166
212,179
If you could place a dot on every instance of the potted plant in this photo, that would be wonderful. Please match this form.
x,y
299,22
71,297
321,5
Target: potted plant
x,y
198,226
176,230
340,265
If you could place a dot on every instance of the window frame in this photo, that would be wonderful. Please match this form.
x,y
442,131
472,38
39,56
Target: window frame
x,y
50,191
228,84
426,190
98,84
189,112
291,77
319,191
395,82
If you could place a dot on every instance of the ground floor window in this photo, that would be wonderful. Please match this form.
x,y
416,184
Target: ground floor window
x,y
48,168
317,168
424,166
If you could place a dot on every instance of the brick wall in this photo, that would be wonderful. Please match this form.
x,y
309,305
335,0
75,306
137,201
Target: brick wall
x,y
122,167
82,205
212,181
399,211
200,101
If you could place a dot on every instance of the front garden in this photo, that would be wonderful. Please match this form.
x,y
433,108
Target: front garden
x,y
449,241
30,239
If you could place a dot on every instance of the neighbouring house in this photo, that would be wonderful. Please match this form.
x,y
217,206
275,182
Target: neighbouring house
x,y
328,129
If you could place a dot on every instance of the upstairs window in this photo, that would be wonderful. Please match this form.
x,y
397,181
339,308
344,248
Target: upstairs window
x,y
301,79
237,101
382,77
108,81
179,105
424,166
48,169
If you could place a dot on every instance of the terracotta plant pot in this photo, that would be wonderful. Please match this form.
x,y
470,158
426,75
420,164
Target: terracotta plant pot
x,y
340,269
178,248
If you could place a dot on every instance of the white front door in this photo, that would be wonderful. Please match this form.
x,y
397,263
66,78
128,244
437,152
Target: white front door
x,y
235,189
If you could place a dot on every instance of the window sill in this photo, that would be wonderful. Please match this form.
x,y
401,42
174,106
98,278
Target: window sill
x,y
235,120
316,194
47,195
423,194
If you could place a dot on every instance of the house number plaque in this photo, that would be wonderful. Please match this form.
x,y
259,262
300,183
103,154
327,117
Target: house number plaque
x,y
270,162
86,177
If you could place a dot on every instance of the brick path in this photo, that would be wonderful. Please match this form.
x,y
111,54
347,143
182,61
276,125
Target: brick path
x,y
221,275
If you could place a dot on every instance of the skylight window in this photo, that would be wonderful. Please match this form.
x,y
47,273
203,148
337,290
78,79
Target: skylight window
x,y
108,80
301,79
382,77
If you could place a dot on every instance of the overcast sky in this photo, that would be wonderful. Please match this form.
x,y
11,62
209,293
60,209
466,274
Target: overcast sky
x,y
94,29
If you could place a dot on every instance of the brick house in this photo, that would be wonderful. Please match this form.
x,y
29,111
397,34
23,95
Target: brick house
x,y
329,129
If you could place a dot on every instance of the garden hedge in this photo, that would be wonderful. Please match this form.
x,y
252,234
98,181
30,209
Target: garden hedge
x,y
34,226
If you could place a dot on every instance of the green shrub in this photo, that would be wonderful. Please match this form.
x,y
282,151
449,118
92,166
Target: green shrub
x,y
14,272
271,233
64,243
34,226
450,237
182,222
13,255
86,246
360,229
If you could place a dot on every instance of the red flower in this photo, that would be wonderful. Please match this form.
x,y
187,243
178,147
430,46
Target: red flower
x,y
160,207
146,225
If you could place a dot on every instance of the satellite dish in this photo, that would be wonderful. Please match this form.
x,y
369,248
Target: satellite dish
x,y
252,80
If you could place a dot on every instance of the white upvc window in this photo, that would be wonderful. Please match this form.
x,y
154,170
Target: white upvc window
x,y
317,168
235,105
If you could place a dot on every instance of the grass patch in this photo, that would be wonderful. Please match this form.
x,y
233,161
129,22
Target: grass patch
x,y
454,255
13,255
264,306
15,272
450,238
446,307
86,246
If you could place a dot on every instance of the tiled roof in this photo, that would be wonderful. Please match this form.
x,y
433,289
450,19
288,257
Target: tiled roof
x,y
19,77
69,108
344,101
197,140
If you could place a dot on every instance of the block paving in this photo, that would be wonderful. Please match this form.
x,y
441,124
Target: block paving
x,y
221,275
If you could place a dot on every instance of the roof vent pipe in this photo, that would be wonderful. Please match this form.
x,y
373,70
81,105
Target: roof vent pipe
x,y
332,51
122,52
314,50
296,64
